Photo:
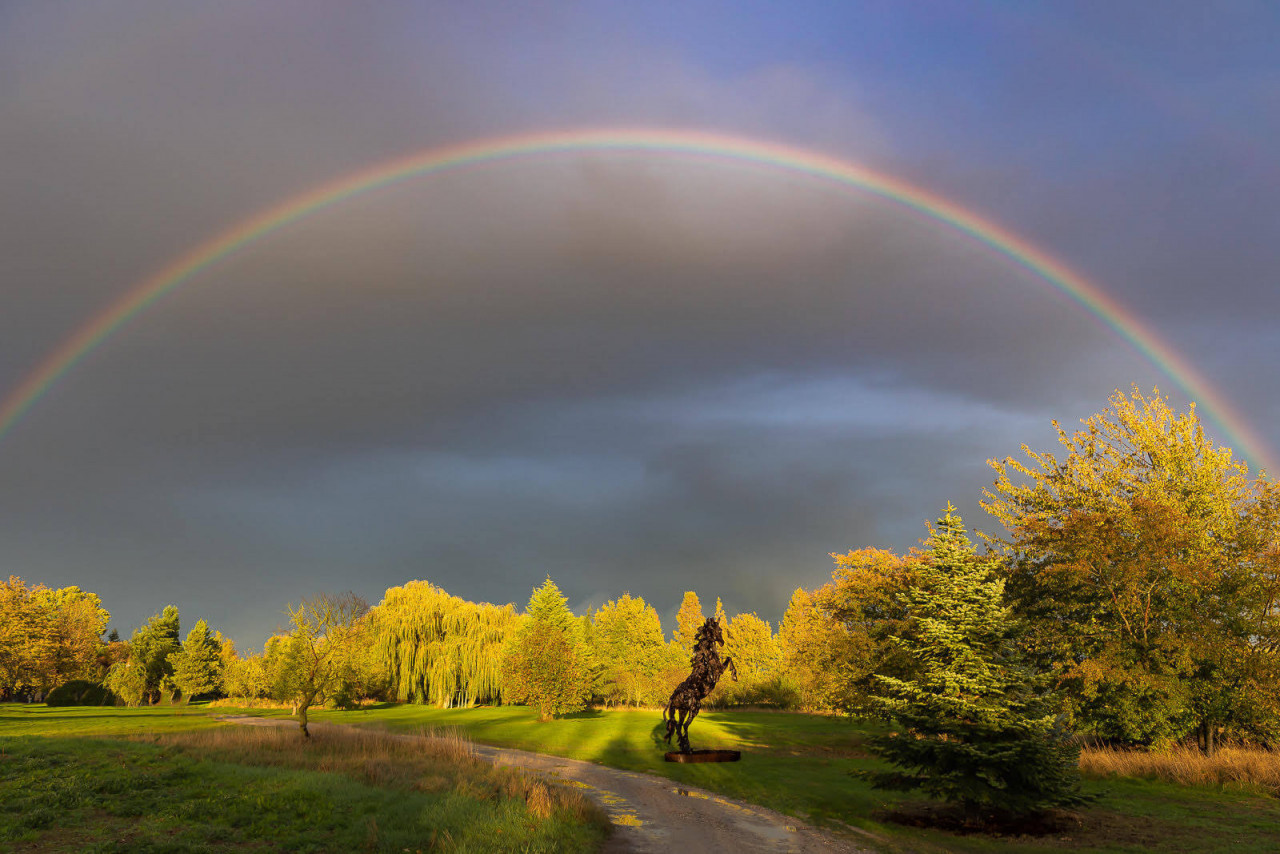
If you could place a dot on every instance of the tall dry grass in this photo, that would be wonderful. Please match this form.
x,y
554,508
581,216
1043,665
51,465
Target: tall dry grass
x,y
1244,767
440,761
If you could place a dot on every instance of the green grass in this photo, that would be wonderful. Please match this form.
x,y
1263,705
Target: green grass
x,y
800,764
165,794
174,780
65,721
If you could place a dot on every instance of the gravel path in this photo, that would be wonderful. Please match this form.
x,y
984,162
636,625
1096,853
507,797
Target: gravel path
x,y
654,814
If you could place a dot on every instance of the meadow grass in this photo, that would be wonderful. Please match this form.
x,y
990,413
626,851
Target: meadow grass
x,y
174,779
1245,768
802,764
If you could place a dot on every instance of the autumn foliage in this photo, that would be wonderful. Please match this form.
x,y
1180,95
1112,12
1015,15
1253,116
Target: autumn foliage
x,y
48,637
1145,562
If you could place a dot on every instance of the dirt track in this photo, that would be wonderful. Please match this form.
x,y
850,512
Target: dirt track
x,y
654,814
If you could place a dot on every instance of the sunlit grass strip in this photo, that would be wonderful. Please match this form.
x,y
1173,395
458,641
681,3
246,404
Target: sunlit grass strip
x,y
1229,766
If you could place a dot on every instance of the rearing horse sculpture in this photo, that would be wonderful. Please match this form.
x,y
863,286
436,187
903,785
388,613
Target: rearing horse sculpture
x,y
708,667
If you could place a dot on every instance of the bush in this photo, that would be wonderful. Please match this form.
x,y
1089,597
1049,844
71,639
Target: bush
x,y
776,692
81,692
344,698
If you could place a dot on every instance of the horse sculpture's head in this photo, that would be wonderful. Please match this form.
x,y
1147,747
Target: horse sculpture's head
x,y
710,633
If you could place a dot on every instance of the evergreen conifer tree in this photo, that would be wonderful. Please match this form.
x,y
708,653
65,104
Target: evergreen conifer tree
x,y
549,607
150,649
688,620
975,728
548,662
198,666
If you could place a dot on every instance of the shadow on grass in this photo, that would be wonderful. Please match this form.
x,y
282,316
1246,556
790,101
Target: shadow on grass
x,y
42,718
659,734
585,714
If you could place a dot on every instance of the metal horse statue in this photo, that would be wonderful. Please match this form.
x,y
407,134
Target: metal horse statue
x,y
708,667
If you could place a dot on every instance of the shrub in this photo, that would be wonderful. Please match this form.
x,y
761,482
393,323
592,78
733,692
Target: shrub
x,y
776,692
81,692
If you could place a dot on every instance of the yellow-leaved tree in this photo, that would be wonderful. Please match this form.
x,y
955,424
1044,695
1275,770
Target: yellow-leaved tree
x,y
835,639
750,642
439,648
1144,559
688,620
629,650
547,663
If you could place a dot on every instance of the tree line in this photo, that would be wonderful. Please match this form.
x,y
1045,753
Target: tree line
x,y
1138,570
419,644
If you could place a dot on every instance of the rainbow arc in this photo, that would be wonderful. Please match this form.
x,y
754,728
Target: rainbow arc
x,y
998,239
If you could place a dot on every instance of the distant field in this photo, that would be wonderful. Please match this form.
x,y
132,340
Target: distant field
x,y
175,780
800,764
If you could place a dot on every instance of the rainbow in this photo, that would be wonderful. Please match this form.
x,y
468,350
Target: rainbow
x,y
695,144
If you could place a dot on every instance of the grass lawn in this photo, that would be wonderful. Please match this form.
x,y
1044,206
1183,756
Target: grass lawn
x,y
175,780
800,764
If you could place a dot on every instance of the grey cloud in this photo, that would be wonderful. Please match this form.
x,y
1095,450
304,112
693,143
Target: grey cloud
x,y
630,371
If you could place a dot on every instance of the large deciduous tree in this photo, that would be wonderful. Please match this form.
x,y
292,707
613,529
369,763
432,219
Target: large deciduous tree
x,y
247,677
26,645
972,727
750,642
48,637
835,640
628,647
1145,559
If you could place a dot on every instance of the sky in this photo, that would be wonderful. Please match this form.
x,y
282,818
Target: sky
x,y
628,370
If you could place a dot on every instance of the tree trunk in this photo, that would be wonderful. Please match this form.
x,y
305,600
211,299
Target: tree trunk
x,y
1205,738
303,705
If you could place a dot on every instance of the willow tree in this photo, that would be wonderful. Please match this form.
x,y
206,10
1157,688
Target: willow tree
x,y
441,649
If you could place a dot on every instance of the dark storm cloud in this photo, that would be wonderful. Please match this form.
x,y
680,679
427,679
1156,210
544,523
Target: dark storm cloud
x,y
639,372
